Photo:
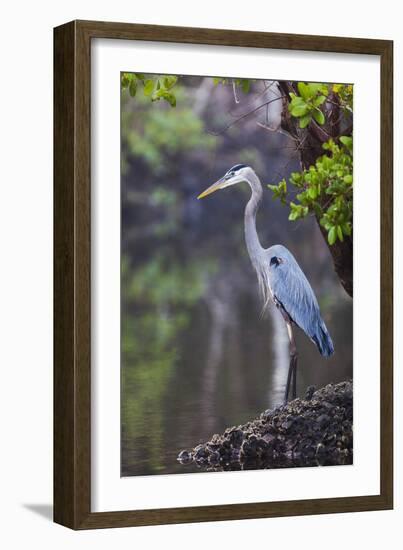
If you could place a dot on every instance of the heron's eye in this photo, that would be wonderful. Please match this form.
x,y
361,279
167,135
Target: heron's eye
x,y
275,261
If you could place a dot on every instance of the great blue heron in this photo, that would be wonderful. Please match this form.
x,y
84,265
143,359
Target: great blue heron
x,y
280,278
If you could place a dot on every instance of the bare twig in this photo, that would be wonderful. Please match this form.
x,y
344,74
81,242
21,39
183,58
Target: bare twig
x,y
244,116
266,88
277,129
236,98
298,148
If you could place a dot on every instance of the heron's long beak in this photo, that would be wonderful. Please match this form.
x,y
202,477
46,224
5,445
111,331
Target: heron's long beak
x,y
215,187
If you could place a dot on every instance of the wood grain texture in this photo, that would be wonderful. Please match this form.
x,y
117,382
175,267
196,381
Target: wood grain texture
x,y
72,274
72,322
248,39
387,273
64,376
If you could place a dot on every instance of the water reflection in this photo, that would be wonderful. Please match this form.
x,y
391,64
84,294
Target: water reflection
x,y
198,358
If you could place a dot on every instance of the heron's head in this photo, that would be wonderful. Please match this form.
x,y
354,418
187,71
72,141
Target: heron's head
x,y
236,174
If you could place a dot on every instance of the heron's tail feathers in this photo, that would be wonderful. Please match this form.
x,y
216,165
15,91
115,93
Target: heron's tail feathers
x,y
323,340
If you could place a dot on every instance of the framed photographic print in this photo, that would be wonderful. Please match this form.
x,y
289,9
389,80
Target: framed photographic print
x,y
222,275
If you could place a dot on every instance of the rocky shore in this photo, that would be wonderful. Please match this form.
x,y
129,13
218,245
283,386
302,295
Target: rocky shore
x,y
314,431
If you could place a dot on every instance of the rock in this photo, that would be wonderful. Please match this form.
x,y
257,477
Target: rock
x,y
309,392
317,430
236,437
185,457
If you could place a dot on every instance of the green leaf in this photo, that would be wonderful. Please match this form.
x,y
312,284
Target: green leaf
x,y
294,214
347,141
340,233
332,235
148,87
316,87
279,191
346,229
245,85
304,121
304,90
298,107
296,179
170,81
162,93
297,211
319,100
133,87
348,179
319,116
125,80
170,98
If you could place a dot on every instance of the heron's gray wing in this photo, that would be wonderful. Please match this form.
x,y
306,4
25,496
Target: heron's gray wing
x,y
292,291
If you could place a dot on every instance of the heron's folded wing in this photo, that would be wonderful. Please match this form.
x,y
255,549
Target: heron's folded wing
x,y
291,288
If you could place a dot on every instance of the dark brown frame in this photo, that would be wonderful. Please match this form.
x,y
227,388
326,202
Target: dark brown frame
x,y
72,319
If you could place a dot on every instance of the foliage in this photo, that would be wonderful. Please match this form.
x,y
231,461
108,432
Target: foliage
x,y
325,189
306,105
158,134
155,87
344,93
164,283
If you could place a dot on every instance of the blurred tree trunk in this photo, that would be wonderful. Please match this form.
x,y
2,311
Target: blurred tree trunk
x,y
309,142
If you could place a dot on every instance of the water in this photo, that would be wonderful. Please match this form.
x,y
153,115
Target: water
x,y
197,357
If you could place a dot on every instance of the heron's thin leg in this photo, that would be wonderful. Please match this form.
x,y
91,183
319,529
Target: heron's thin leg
x,y
294,377
292,369
289,375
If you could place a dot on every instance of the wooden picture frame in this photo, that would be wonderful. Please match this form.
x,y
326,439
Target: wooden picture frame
x,y
72,270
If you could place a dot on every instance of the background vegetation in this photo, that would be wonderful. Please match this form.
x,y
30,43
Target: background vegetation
x,y
195,355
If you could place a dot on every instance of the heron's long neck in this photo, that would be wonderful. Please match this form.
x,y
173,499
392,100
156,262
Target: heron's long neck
x,y
254,247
